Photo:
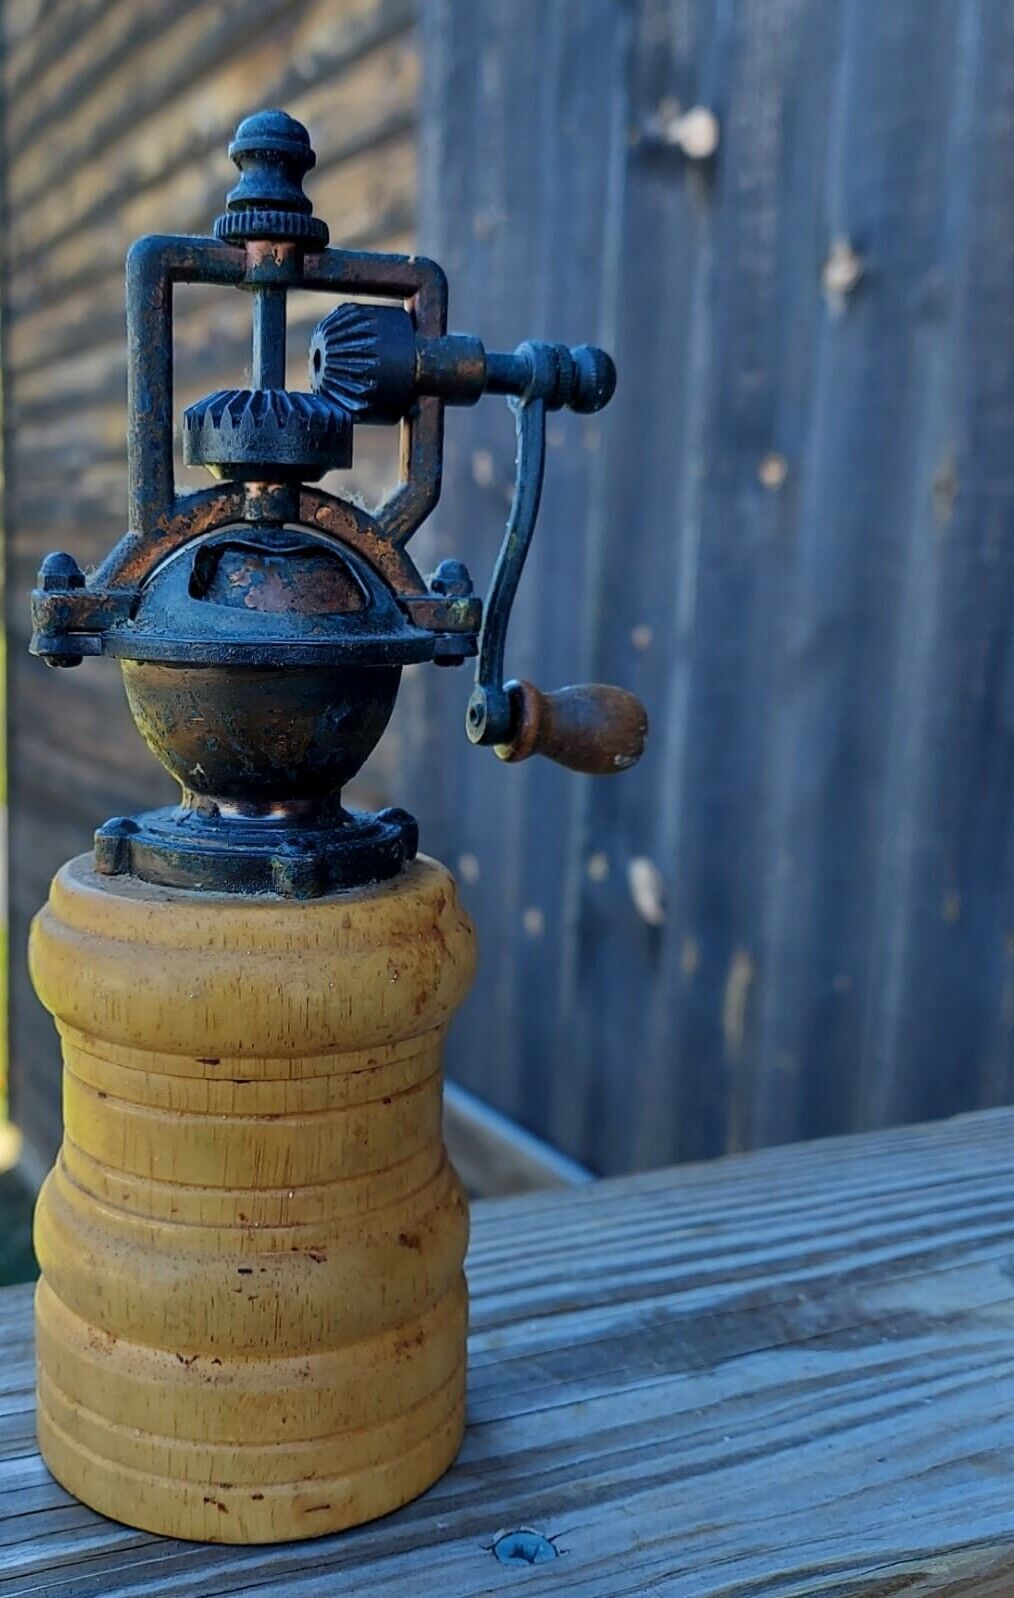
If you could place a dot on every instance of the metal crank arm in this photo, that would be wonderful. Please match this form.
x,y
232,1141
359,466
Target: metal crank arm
x,y
594,728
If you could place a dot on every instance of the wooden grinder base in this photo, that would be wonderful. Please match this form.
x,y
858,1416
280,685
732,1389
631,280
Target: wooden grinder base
x,y
251,1319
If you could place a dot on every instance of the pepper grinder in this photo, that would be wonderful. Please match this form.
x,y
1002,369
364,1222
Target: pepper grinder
x,y
251,1316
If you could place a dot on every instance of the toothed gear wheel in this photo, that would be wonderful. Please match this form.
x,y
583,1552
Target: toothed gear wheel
x,y
362,357
247,434
236,227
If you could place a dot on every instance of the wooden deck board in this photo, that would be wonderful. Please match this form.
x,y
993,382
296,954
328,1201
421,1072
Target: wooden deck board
x,y
785,1374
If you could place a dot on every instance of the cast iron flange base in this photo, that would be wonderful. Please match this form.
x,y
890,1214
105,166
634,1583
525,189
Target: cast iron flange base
x,y
183,848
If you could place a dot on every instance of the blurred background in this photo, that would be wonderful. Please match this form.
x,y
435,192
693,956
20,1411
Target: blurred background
x,y
792,533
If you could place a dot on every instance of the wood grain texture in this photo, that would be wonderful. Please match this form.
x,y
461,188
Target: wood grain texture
x,y
788,534
784,1375
251,1319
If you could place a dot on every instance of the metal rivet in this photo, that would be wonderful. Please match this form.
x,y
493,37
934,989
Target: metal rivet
x,y
533,921
641,636
523,1547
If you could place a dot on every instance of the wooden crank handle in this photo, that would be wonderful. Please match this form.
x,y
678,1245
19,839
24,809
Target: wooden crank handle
x,y
591,727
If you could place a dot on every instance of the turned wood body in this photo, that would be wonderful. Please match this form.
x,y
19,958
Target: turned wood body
x,y
251,1319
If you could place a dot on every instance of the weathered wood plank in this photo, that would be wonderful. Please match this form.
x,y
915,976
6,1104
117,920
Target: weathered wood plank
x,y
193,197
41,35
788,534
375,94
522,211
782,1375
95,94
367,109
116,122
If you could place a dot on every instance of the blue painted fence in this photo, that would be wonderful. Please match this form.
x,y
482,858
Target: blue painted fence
x,y
792,533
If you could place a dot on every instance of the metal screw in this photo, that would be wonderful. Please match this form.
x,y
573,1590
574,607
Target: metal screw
x,y
523,1547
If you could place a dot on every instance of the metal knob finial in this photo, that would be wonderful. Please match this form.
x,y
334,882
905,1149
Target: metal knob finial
x,y
273,153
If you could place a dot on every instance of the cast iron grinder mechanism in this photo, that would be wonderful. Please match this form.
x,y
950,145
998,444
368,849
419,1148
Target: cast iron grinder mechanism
x,y
251,1316
262,624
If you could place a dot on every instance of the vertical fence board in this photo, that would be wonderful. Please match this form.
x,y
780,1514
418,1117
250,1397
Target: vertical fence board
x,y
793,539
792,533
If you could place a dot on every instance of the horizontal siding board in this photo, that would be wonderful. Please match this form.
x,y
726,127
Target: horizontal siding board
x,y
374,93
196,43
58,38
192,198
120,133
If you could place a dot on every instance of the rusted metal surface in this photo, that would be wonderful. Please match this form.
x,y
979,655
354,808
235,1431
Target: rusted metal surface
x,y
308,581
261,666
260,736
134,141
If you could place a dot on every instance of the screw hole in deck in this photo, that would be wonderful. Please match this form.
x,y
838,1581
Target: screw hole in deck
x,y
523,1547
